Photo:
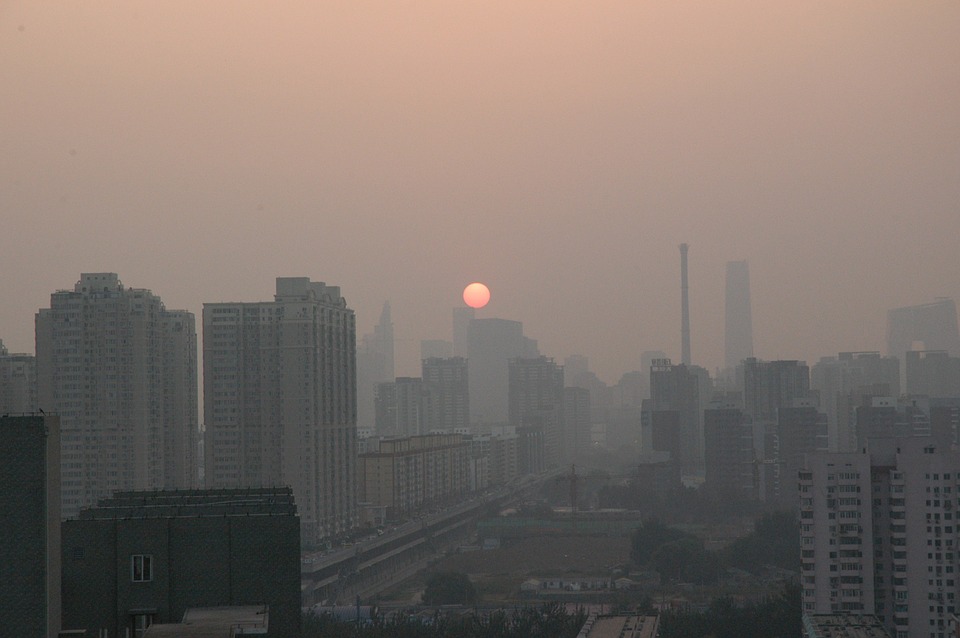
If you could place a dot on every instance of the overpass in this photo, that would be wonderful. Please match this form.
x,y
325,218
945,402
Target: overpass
x,y
375,564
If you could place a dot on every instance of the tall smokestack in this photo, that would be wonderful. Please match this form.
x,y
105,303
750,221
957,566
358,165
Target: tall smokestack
x,y
684,308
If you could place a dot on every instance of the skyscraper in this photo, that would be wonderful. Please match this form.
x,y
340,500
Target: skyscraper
x,y
932,324
728,454
838,379
280,387
738,334
769,385
461,330
492,343
683,389
446,388
536,400
932,373
120,370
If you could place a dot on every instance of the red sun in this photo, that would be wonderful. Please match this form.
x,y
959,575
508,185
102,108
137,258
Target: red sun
x,y
476,295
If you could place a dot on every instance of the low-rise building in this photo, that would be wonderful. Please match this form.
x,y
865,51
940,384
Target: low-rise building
x,y
409,474
141,558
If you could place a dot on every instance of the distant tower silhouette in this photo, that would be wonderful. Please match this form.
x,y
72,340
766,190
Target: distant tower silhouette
x,y
684,308
935,324
738,336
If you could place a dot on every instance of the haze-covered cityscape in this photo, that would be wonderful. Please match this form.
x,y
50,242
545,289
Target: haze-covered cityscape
x,y
479,319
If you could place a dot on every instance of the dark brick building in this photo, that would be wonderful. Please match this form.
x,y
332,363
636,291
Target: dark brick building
x,y
30,525
146,557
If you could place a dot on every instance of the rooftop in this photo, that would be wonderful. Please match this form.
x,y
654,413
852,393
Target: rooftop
x,y
267,501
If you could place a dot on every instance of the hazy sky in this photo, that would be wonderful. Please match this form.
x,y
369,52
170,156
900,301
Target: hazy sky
x,y
557,151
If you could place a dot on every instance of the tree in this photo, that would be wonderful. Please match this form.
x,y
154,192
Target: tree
x,y
449,588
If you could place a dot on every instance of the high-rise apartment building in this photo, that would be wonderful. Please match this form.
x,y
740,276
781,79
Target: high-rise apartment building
x,y
839,380
280,400
738,335
409,407
536,400
801,430
887,417
30,525
683,389
728,454
879,535
769,385
446,388
576,423
121,371
18,382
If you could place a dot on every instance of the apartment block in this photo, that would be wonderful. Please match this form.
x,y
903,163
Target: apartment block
x,y
121,371
879,535
280,407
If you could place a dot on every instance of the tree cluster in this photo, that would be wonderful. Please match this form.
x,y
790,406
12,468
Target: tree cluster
x,y
779,617
679,556
547,621
449,588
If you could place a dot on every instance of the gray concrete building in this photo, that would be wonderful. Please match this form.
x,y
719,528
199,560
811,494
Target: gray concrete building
x,y
492,343
879,535
685,390
18,382
838,380
536,401
446,387
728,454
30,525
932,326
141,558
280,408
121,371
738,316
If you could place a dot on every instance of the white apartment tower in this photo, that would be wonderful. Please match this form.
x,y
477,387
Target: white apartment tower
x,y
121,371
879,535
280,388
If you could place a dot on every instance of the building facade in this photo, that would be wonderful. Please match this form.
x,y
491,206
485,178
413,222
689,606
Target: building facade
x,y
839,380
30,525
738,317
536,400
121,371
879,535
280,400
728,454
18,382
446,388
491,344
409,474
141,558
682,389
934,325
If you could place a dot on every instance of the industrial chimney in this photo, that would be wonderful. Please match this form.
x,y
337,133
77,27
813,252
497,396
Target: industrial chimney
x,y
684,308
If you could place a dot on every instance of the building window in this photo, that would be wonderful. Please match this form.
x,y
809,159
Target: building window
x,y
141,622
141,568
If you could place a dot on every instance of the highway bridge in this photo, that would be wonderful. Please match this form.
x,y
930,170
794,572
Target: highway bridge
x,y
377,563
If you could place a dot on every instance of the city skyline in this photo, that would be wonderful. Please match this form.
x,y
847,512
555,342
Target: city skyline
x,y
558,155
